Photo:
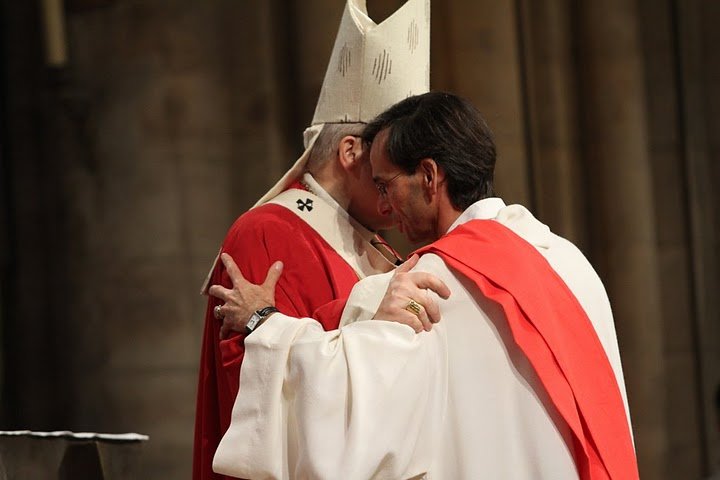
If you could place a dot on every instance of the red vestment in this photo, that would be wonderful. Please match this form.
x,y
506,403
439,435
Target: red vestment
x,y
553,331
315,283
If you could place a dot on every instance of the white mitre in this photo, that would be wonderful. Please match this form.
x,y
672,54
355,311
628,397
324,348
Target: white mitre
x,y
372,67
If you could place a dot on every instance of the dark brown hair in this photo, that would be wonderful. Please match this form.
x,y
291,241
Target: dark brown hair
x,y
448,129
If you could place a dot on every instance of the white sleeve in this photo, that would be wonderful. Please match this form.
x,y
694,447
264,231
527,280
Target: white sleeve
x,y
365,401
365,298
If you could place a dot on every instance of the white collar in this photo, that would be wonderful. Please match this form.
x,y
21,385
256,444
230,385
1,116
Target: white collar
x,y
516,217
318,190
485,209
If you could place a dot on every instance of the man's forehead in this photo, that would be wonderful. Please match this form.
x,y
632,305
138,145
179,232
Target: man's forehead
x,y
378,151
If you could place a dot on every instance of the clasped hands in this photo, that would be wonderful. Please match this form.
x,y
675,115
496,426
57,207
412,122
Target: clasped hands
x,y
406,299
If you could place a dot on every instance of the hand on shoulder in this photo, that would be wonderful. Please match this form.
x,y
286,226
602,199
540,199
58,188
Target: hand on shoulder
x,y
407,301
244,298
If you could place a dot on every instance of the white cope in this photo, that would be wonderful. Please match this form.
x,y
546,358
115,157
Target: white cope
x,y
375,400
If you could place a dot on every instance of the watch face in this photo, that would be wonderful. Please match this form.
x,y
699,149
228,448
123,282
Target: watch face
x,y
252,323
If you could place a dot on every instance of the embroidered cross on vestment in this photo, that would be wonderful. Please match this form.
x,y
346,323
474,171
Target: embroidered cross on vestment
x,y
308,203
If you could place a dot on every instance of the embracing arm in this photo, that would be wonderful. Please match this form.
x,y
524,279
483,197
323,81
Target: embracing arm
x,y
339,404
404,287
251,251
365,401
257,241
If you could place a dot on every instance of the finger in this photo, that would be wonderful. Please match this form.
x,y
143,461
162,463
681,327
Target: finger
x,y
412,321
408,265
236,276
409,318
399,315
424,320
432,309
421,315
273,275
230,322
424,280
218,291
225,330
416,323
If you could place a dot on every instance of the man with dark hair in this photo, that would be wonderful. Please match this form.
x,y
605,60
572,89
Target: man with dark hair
x,y
436,126
430,132
521,379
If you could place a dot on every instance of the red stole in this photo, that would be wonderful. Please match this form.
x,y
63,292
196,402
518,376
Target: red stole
x,y
554,332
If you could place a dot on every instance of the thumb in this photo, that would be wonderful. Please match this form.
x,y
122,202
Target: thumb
x,y
408,265
273,275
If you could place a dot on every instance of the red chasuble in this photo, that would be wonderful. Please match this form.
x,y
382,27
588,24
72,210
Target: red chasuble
x,y
315,283
554,332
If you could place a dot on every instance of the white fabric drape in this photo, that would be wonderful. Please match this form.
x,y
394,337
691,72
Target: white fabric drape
x,y
376,400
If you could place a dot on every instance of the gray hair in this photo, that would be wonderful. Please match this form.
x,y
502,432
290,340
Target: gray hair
x,y
326,145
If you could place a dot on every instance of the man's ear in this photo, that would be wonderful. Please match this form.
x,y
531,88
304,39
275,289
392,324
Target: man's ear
x,y
432,175
350,151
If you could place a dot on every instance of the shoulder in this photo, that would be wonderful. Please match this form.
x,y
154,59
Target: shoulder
x,y
265,215
266,221
432,263
465,295
273,232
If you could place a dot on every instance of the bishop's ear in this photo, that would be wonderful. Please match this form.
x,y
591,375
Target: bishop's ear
x,y
350,150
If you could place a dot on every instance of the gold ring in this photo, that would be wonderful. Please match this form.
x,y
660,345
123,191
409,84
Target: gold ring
x,y
413,307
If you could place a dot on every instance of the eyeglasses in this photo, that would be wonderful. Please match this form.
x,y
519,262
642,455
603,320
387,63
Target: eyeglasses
x,y
382,186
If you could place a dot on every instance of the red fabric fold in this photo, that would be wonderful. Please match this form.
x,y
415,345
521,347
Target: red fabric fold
x,y
551,328
315,282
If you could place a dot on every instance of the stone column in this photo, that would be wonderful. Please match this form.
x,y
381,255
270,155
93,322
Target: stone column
x,y
475,54
551,121
179,113
621,209
683,397
699,76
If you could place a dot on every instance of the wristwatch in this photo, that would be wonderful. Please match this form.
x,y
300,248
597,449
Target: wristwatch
x,y
258,318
